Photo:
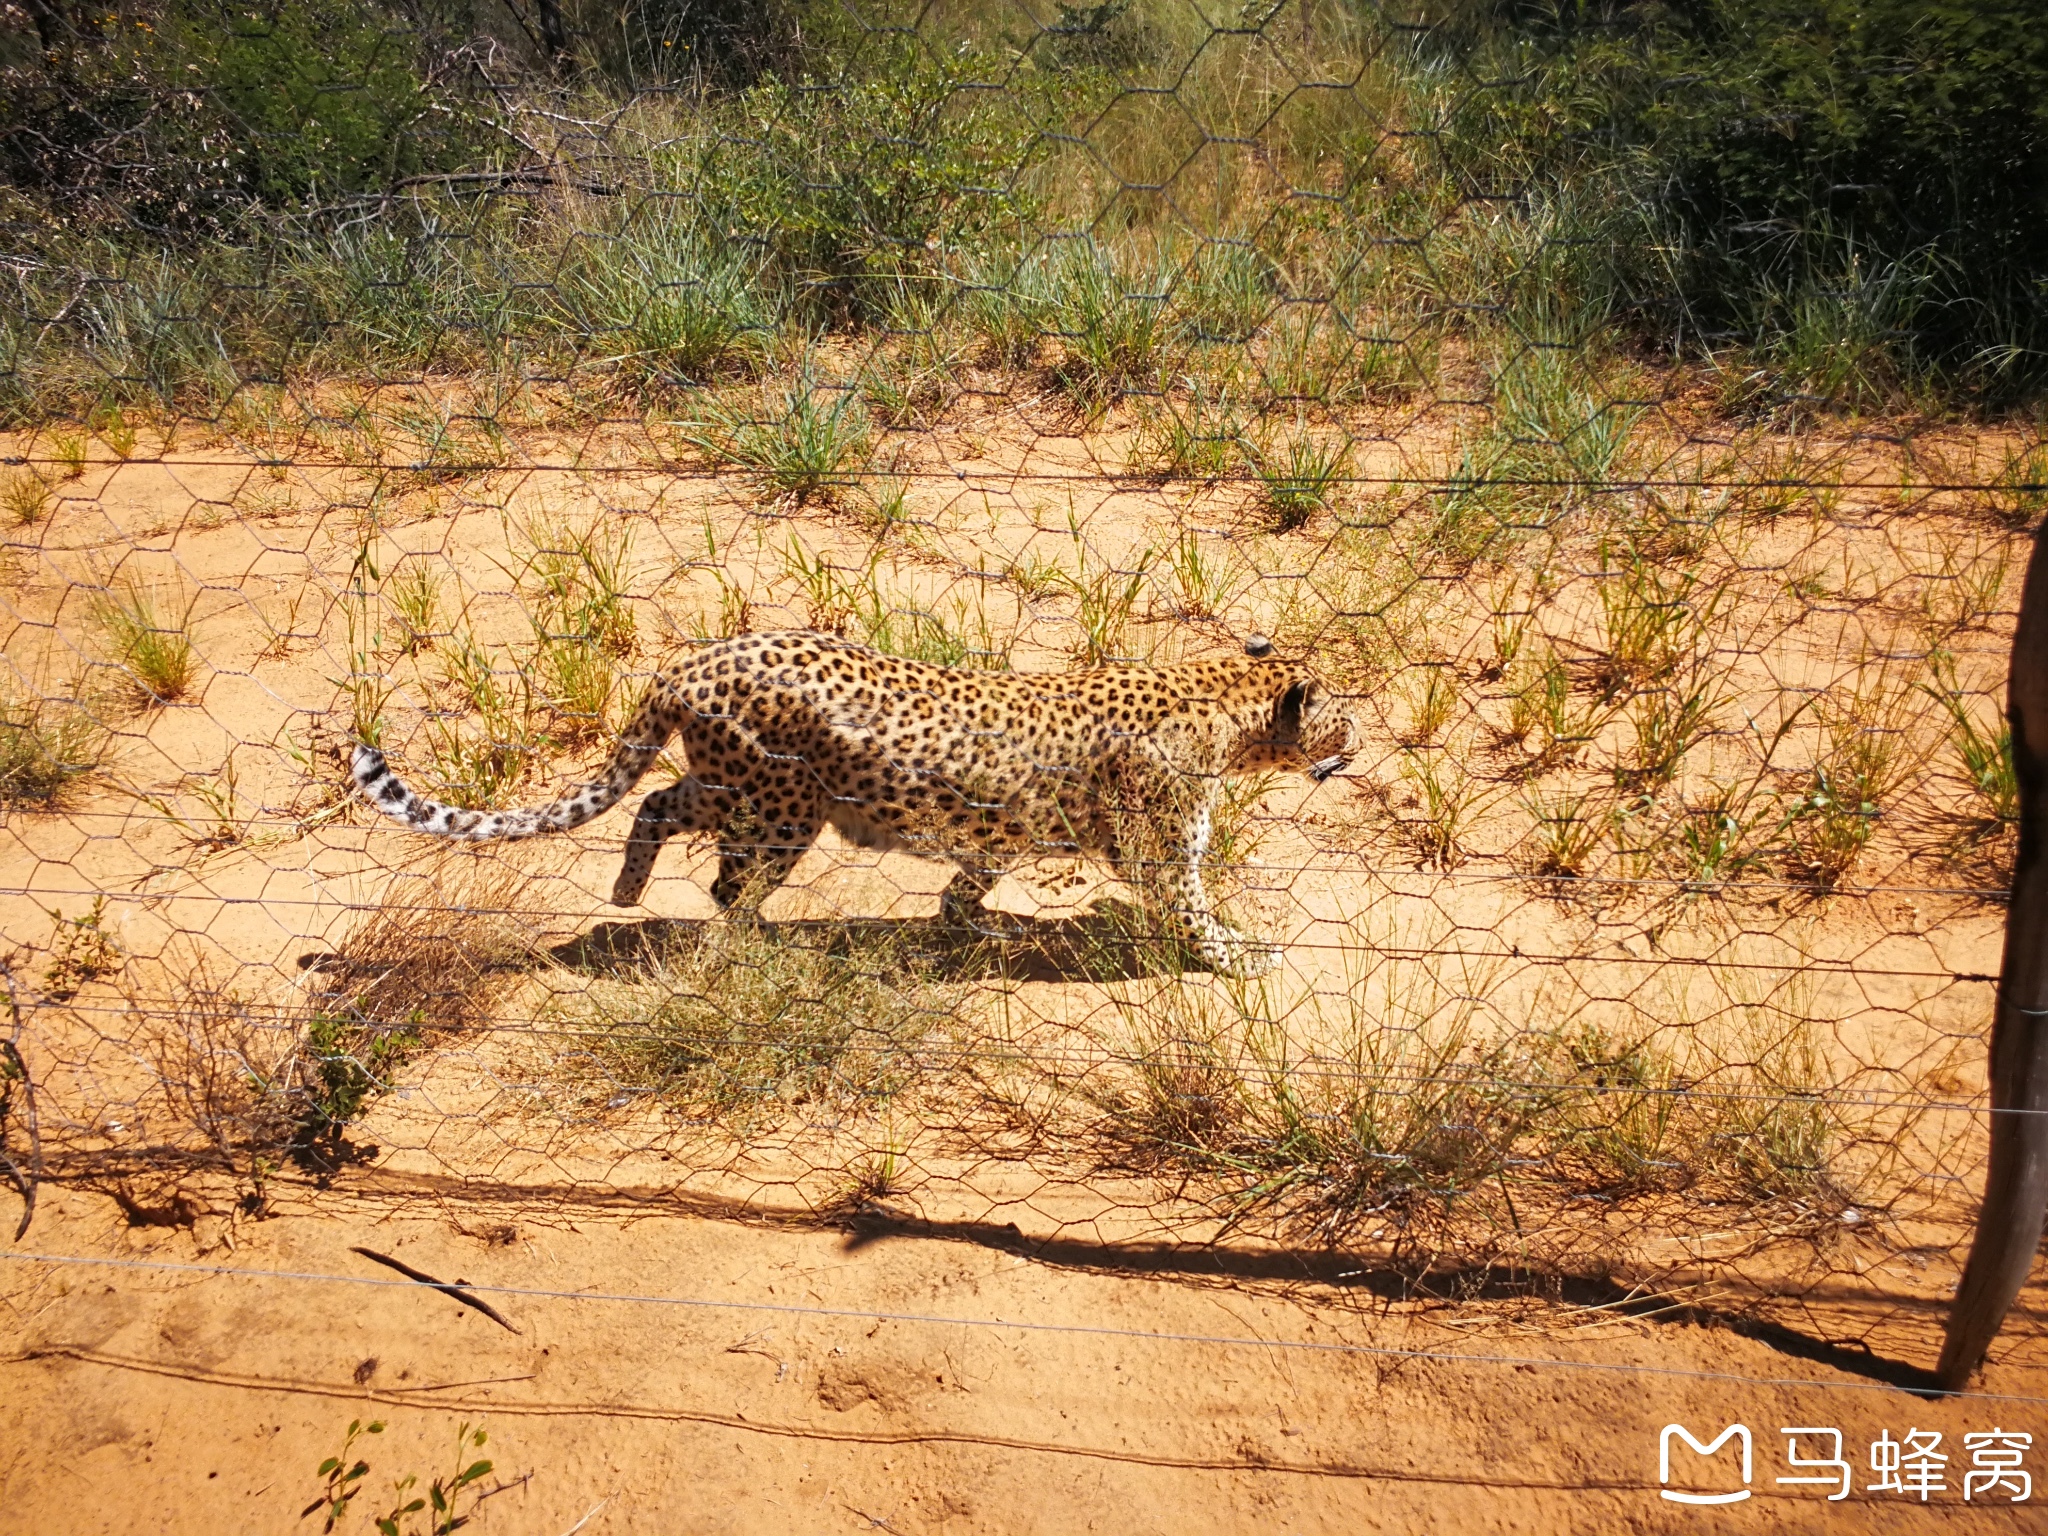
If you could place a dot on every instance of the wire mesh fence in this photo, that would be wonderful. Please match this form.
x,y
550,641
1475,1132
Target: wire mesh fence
x,y
436,381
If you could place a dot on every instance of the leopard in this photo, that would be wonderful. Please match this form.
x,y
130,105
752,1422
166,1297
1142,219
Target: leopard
x,y
784,733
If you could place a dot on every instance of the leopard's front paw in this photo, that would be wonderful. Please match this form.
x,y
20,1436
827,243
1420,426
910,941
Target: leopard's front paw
x,y
1247,959
1229,952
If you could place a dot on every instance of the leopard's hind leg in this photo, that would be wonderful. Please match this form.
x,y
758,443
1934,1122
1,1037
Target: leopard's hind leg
x,y
688,805
960,903
756,853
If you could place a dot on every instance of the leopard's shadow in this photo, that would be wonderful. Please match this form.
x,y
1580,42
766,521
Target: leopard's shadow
x,y
1115,942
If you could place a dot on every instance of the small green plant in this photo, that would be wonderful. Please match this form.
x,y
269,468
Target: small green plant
x,y
580,582
1527,701
25,497
1983,757
583,622
1191,436
68,448
1963,591
1235,827
1205,580
115,432
1543,704
81,950
1831,822
1669,722
476,764
804,441
1035,575
45,745
222,825
875,1177
343,1475
367,685
1009,308
1567,833
423,965
447,444
887,501
1863,757
1717,840
1430,703
414,594
1300,477
349,1060
855,603
1115,322
666,301
1105,601
155,653
580,685
1447,800
2019,492
1652,619
1510,630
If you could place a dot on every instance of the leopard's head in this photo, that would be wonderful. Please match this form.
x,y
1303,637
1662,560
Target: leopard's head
x,y
1295,720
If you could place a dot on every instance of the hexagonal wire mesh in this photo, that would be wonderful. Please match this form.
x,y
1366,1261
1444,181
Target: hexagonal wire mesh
x,y
1648,931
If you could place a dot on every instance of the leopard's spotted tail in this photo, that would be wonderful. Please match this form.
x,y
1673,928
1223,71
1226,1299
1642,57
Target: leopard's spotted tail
x,y
639,745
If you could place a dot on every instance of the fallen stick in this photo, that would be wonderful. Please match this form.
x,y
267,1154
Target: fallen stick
x,y
459,1289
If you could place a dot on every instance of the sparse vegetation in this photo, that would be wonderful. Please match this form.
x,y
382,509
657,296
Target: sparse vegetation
x,y
744,1020
1388,1112
1622,480
46,745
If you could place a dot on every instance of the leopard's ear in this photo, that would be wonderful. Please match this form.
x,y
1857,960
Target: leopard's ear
x,y
1288,712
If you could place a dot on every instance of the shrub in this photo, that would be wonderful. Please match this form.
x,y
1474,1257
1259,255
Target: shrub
x,y
1854,187
201,107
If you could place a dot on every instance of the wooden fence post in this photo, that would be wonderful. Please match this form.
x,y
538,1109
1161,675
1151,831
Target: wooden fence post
x,y
2016,1181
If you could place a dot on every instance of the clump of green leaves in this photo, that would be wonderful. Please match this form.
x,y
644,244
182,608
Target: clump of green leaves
x,y
343,1477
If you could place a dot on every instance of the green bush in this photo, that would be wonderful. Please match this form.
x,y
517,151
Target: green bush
x,y
185,112
1856,188
869,176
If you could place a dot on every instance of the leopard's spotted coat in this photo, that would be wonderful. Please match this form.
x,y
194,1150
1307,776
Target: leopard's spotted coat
x,y
786,733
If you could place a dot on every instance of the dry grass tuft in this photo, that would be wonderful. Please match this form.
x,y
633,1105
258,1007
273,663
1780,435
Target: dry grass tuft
x,y
242,1086
1399,1111
742,1021
46,746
